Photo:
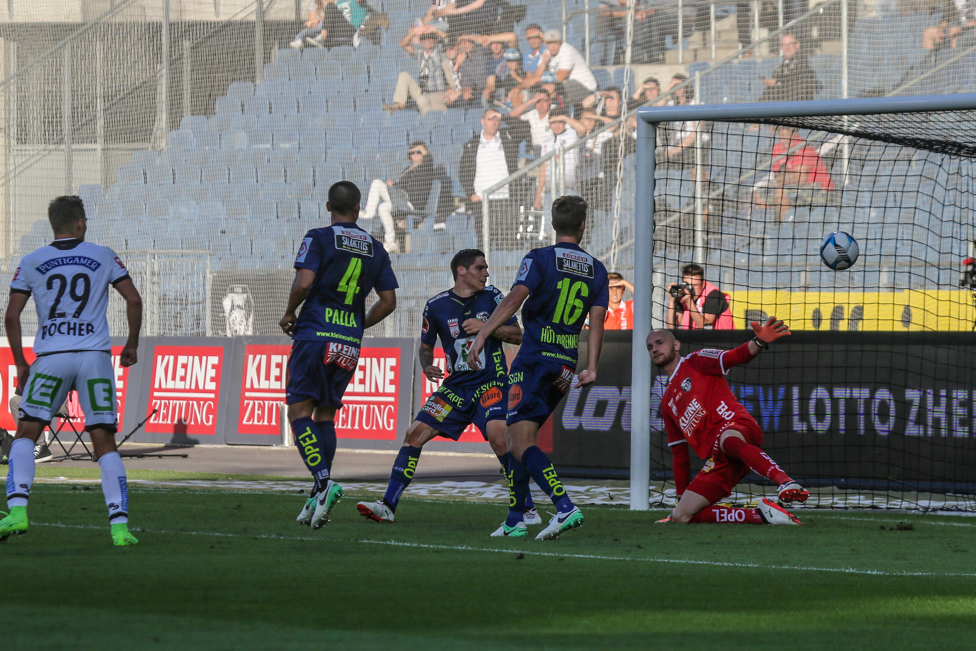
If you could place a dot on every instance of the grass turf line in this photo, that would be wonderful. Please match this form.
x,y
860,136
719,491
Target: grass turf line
x,y
246,589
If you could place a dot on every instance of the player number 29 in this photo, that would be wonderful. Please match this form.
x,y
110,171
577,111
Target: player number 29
x,y
570,308
79,290
350,280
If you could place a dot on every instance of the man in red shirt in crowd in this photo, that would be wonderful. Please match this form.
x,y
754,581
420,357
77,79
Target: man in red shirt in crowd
x,y
620,313
700,411
800,177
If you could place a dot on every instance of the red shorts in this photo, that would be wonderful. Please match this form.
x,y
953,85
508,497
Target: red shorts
x,y
721,473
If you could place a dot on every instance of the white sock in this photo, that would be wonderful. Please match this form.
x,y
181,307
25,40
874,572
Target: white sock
x,y
114,487
20,472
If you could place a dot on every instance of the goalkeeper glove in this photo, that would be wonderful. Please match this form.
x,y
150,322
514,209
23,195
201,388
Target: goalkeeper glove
x,y
769,332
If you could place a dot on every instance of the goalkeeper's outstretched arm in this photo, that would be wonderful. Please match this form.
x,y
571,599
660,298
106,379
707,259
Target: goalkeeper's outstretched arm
x,y
766,334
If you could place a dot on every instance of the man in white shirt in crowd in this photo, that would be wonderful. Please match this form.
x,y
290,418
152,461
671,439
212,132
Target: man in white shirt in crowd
x,y
535,111
569,66
486,159
565,132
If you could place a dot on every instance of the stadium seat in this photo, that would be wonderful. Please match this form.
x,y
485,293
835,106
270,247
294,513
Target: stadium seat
x,y
274,190
199,157
185,210
275,72
207,139
159,174
158,209
215,173
342,104
228,106
270,88
234,140
270,172
309,209
287,209
193,191
312,104
301,70
240,89
286,139
253,157
300,172
263,209
257,105
284,104
315,55
260,138
242,173
188,174
211,209
355,69
327,173
298,88
283,157
287,55
180,139
130,174
193,123
237,209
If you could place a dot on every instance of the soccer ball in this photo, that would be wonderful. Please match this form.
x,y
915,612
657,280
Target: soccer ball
x,y
839,251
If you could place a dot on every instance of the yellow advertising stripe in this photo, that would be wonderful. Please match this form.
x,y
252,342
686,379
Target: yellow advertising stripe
x,y
900,311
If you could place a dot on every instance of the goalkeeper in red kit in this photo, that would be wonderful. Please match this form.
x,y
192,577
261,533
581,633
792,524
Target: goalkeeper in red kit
x,y
700,411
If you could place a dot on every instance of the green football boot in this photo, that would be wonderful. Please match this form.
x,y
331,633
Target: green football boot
x,y
15,524
121,536
505,531
324,503
561,522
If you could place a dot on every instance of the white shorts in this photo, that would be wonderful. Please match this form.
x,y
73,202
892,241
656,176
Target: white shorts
x,y
90,373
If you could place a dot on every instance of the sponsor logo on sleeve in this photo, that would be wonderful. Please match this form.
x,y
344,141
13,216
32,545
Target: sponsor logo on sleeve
x,y
425,327
454,327
119,262
353,240
303,249
686,384
574,262
17,273
524,269
710,352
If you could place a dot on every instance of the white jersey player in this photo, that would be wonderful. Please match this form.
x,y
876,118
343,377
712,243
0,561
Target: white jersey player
x,y
69,280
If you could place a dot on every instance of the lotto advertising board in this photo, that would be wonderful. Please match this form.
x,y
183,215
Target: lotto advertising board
x,y
851,406
8,385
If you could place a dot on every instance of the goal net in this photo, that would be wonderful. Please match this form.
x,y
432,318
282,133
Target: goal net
x,y
870,401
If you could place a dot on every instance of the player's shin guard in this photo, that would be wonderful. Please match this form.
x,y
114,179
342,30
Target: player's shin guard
x,y
713,514
755,459
114,487
308,438
403,470
540,468
20,472
506,460
518,491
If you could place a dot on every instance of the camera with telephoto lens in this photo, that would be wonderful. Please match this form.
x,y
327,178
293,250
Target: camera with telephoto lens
x,y
678,289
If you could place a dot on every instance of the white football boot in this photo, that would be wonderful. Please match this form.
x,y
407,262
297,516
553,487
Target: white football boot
x,y
324,502
376,511
518,531
531,517
561,522
305,517
773,513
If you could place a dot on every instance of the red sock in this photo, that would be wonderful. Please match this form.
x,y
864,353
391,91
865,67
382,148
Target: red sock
x,y
728,514
755,459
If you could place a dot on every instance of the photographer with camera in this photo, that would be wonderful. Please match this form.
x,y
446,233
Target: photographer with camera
x,y
696,304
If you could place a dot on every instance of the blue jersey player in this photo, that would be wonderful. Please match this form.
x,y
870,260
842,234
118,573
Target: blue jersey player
x,y
336,269
467,396
560,286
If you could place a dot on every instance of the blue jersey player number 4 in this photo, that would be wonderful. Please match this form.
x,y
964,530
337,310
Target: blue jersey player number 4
x,y
557,288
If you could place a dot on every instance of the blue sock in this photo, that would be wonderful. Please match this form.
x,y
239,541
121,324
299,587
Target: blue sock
x,y
540,468
403,469
518,491
308,438
327,430
506,460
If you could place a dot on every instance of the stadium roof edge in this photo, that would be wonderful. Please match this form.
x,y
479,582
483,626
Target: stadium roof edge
x,y
773,110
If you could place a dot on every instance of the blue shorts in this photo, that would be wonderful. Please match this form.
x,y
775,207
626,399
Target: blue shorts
x,y
535,388
320,371
450,410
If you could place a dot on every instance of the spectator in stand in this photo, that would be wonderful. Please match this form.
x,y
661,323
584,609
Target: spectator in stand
x,y
336,22
799,176
505,85
794,78
701,306
430,86
393,199
607,102
486,159
555,89
611,27
469,16
569,66
654,22
535,112
646,93
678,148
457,95
471,66
533,53
564,132
620,313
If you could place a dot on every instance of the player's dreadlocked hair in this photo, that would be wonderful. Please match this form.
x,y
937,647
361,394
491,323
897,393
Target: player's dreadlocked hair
x,y
464,258
64,212
344,199
568,214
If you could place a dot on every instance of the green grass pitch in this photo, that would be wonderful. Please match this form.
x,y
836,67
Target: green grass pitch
x,y
219,570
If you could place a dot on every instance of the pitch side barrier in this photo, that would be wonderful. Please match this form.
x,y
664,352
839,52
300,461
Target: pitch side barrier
x,y
855,410
216,390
